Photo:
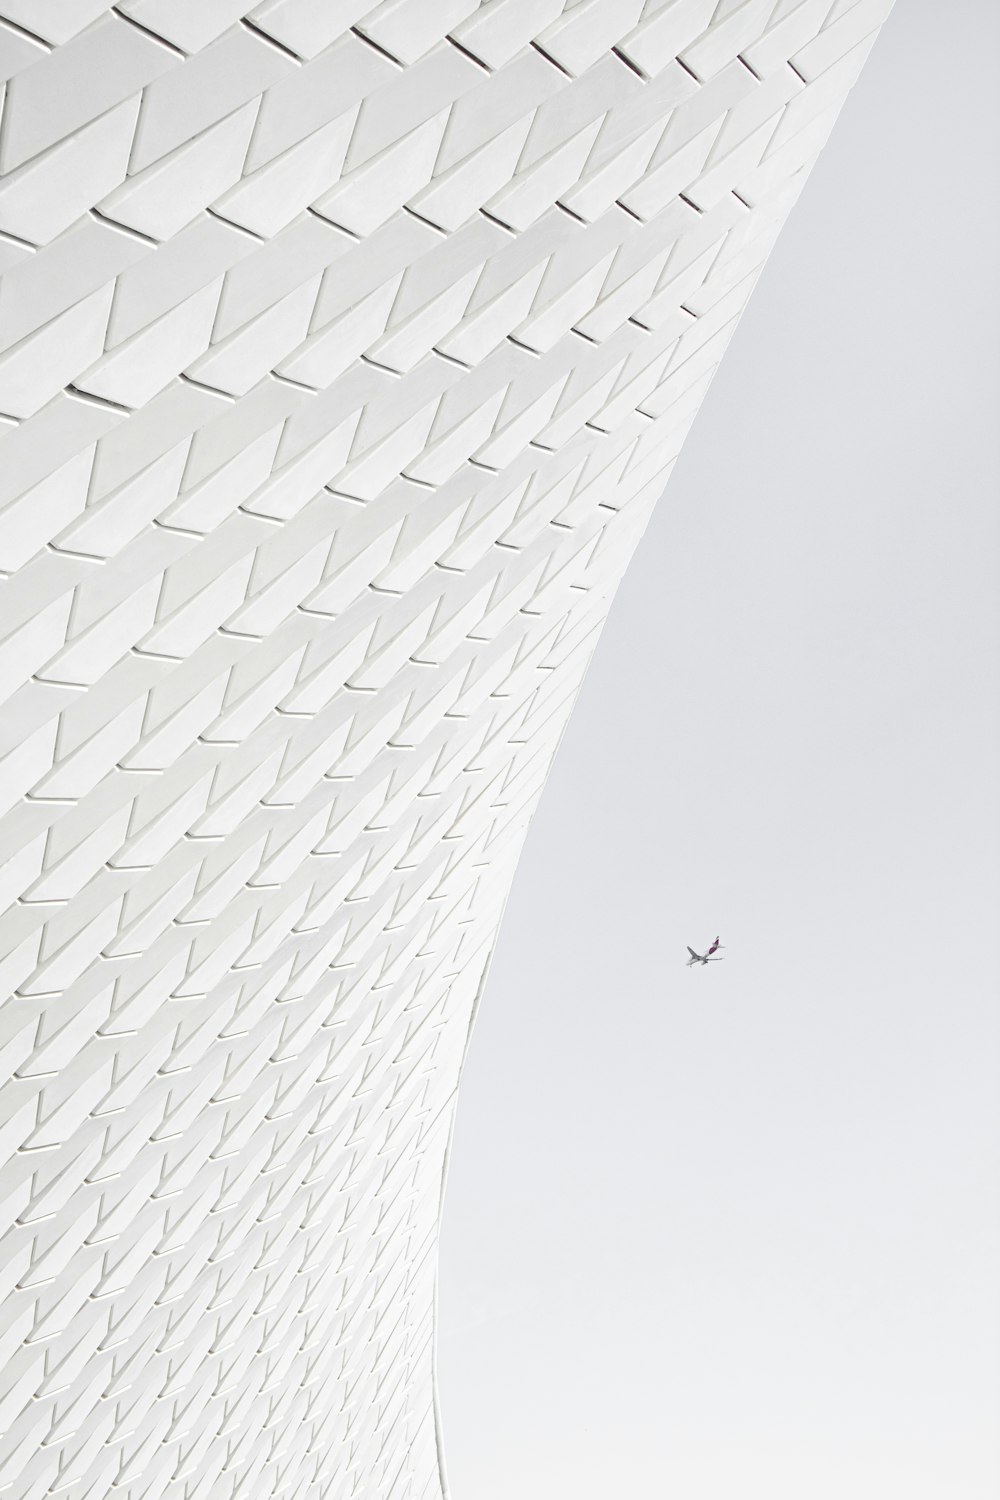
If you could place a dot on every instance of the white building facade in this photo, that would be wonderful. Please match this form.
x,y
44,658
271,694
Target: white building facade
x,y
344,351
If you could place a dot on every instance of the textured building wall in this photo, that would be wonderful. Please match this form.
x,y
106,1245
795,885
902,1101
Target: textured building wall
x,y
345,349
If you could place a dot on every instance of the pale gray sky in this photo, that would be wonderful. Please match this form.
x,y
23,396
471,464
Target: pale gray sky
x,y
735,1232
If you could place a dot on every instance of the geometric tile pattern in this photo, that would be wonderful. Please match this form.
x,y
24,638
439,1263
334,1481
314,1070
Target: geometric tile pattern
x,y
344,350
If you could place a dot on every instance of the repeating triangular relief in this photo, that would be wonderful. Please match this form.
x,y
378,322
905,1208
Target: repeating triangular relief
x,y
344,351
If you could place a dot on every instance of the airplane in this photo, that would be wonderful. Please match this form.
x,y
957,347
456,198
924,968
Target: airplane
x,y
710,957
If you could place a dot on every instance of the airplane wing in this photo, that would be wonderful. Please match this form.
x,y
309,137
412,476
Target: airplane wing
x,y
693,953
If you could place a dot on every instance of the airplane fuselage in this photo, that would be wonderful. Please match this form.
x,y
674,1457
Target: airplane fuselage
x,y
705,958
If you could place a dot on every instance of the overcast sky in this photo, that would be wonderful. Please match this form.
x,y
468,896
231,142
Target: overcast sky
x,y
735,1232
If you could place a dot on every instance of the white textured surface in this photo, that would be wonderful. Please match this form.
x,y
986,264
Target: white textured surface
x,y
342,362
